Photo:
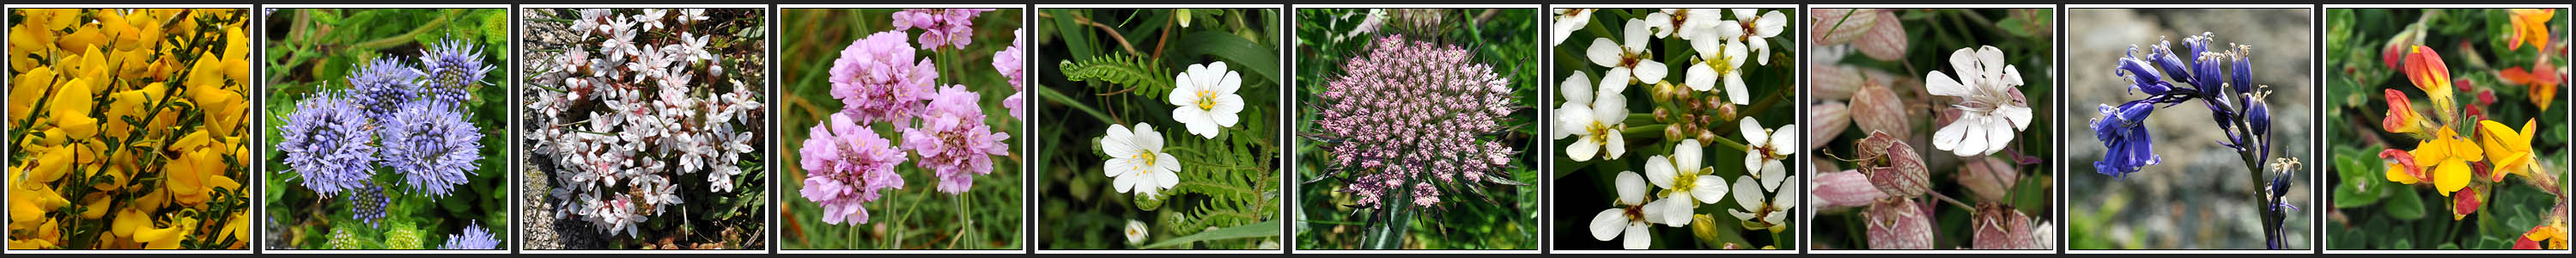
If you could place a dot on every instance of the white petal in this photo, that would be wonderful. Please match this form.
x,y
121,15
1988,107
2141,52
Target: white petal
x,y
2019,115
1772,176
1771,24
1632,188
1577,88
1575,119
1948,137
1650,71
1972,139
1783,138
1783,200
1604,53
1941,84
1618,145
1998,135
1964,61
1660,23
1709,190
1991,59
1637,237
1686,156
1677,211
1753,133
1147,139
1655,210
1226,107
1184,91
1700,76
1168,178
1659,169
1227,85
1761,51
1618,76
1582,150
1635,35
1126,183
1610,109
2012,76
1735,92
1118,142
1608,224
1729,29
1742,215
1748,193
1121,166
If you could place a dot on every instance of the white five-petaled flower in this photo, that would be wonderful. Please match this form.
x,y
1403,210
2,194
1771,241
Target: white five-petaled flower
x,y
693,14
1206,98
1628,61
1756,30
1629,217
1135,232
1137,163
1595,114
1567,21
1768,146
1686,184
1721,60
1765,212
1991,109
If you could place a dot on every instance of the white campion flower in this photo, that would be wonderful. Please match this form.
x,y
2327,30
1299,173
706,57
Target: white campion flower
x,y
1768,146
1137,163
1628,61
1757,30
1567,21
1135,232
1757,210
1721,60
1629,217
1206,98
1686,184
1991,109
1595,113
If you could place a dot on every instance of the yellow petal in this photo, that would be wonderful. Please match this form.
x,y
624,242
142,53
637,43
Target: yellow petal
x,y
2397,173
128,221
2451,175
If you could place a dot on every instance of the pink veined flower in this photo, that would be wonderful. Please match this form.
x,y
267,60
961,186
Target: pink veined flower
x,y
846,165
878,79
953,141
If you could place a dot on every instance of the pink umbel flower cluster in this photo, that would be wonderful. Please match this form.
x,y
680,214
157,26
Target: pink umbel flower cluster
x,y
1416,116
953,140
940,27
878,79
846,165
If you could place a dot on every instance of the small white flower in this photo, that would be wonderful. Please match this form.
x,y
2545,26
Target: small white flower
x,y
1768,146
1135,232
1991,110
1757,30
1596,116
1686,184
1567,22
1683,23
1721,60
652,18
1768,212
1629,217
693,14
1137,162
1206,98
696,46
1627,61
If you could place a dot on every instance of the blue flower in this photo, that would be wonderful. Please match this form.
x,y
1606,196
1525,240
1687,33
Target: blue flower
x,y
2124,129
474,238
382,84
368,204
431,145
451,65
325,141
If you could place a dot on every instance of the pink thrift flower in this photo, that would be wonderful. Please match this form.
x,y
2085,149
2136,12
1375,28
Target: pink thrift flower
x,y
878,79
953,28
846,164
953,141
1013,69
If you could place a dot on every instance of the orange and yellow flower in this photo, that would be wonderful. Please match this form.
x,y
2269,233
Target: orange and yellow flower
x,y
2531,26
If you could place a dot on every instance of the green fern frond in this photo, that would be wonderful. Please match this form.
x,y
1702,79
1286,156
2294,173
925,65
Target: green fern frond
x,y
1119,72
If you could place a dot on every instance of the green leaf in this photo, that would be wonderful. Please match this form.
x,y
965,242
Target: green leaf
x,y
1120,72
2405,204
2358,188
1257,61
1255,230
1390,234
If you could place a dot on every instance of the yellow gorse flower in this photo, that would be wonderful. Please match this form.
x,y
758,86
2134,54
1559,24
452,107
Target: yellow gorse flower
x,y
85,169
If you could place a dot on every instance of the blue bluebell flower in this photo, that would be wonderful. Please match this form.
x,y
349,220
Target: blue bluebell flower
x,y
431,145
2124,129
450,65
325,141
382,84
474,238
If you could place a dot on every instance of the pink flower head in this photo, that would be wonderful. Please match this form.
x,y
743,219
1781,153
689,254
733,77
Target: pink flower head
x,y
1013,68
953,141
846,164
1417,112
878,79
940,27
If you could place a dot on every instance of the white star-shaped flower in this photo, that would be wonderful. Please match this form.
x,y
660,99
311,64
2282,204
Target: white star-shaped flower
x,y
1206,98
1137,163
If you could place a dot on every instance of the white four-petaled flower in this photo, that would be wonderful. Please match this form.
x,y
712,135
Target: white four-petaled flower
x,y
1721,60
1686,184
1767,147
1206,98
1627,59
1567,21
1628,218
1137,162
1595,114
1991,109
1757,210
1756,30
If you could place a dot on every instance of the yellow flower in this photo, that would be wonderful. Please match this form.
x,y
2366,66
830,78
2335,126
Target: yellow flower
x,y
164,238
29,204
2507,149
189,176
70,109
29,87
129,221
237,227
236,55
2529,25
97,206
2447,157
